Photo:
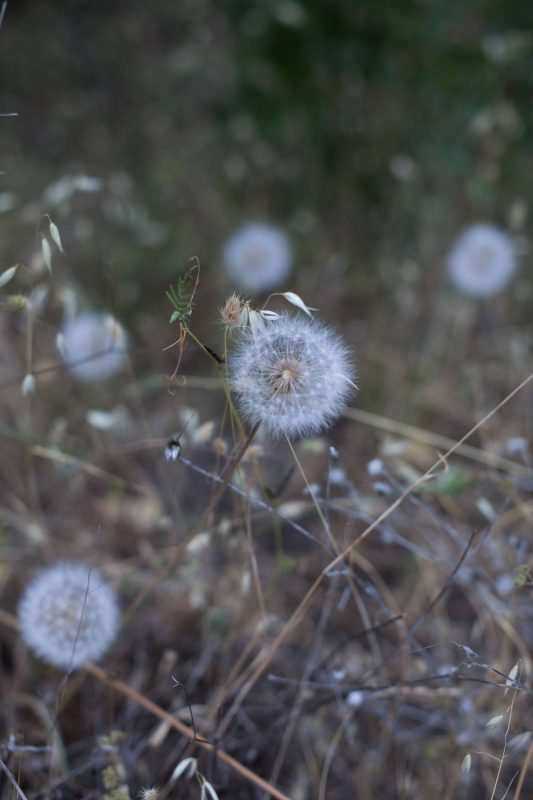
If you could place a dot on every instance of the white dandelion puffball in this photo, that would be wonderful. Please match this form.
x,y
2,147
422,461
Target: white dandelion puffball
x,y
293,375
93,346
482,261
68,615
258,257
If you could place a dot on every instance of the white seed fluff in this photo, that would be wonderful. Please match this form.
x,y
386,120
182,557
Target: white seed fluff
x,y
294,376
93,346
258,257
482,261
68,615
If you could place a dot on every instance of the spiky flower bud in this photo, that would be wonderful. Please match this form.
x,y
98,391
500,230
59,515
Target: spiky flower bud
x,y
293,375
151,793
93,346
68,615
482,261
258,257
232,313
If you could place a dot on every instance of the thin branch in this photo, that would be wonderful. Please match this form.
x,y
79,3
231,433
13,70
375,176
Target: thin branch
x,y
138,698
255,501
523,772
445,587
438,441
264,659
157,711
12,781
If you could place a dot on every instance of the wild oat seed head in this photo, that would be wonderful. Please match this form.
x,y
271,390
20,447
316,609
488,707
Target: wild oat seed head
x,y
258,257
294,376
68,615
232,313
482,261
93,346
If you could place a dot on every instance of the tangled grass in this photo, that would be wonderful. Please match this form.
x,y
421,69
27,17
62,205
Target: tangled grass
x,y
294,617
342,616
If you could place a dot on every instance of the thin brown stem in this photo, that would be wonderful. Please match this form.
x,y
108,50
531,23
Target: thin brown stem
x,y
264,659
101,675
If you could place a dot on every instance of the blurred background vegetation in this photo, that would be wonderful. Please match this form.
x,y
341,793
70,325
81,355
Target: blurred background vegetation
x,y
372,132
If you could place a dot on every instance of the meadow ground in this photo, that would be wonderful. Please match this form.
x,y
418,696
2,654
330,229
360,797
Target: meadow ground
x,y
343,616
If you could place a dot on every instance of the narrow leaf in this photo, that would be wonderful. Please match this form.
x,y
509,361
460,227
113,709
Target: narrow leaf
x,y
60,344
256,321
467,763
28,385
210,790
510,681
266,314
494,721
7,274
54,233
188,765
521,741
296,300
47,254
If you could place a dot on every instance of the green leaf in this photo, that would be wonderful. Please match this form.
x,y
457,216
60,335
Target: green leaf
x,y
182,298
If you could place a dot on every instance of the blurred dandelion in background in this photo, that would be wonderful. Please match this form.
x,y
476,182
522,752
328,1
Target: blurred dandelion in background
x,y
293,375
93,346
482,261
68,615
258,257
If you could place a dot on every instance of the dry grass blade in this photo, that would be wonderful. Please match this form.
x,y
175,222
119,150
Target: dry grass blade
x,y
438,441
262,662
159,712
127,691
12,781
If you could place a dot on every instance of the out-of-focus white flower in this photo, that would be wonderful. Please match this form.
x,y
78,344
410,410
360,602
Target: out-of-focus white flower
x,y
337,476
338,674
355,699
116,420
68,615
482,261
28,384
375,467
258,257
93,346
65,187
517,444
7,201
402,167
294,376
382,488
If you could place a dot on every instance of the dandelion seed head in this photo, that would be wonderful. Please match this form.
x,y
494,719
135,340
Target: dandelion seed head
x,y
258,257
294,376
482,261
93,346
68,615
